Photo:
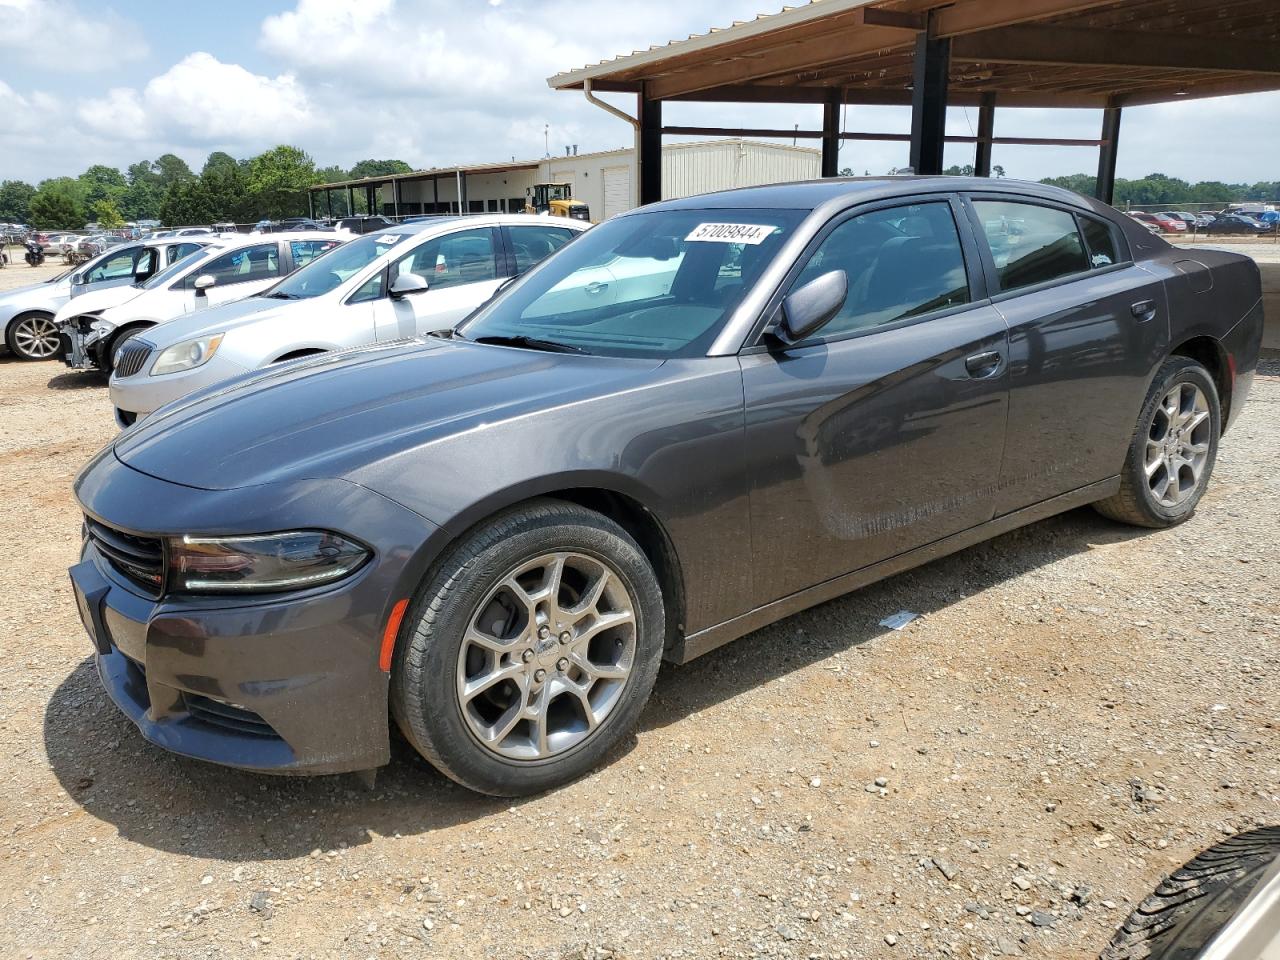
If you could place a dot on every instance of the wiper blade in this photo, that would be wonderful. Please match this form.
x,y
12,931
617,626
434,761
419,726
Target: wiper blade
x,y
532,343
282,296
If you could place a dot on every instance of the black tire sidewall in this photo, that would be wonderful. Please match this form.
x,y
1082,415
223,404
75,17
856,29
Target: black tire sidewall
x,y
117,344
433,721
1175,371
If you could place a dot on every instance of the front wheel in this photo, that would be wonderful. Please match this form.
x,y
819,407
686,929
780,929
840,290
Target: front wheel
x,y
530,651
1174,448
34,337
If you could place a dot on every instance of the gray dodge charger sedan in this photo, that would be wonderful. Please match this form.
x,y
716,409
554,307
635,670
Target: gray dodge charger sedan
x,y
693,420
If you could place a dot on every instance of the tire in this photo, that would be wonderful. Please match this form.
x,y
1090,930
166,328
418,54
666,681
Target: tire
x,y
479,576
33,336
1139,501
1196,900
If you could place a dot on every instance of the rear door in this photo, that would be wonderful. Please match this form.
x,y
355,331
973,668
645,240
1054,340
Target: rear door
x,y
461,269
884,431
1086,328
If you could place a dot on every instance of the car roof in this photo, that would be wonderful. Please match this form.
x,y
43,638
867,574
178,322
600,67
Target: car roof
x,y
845,191
480,220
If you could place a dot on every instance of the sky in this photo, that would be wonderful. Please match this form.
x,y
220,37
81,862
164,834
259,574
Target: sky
x,y
443,82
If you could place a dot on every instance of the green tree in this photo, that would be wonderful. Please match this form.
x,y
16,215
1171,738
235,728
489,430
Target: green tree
x,y
186,203
107,214
100,182
1079,182
141,200
15,200
219,162
171,169
377,168
965,171
225,191
58,205
278,181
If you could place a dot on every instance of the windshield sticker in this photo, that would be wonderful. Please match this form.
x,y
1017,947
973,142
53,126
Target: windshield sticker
x,y
389,238
748,233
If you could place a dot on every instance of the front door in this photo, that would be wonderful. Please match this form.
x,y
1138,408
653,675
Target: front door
x,y
1086,327
461,270
885,431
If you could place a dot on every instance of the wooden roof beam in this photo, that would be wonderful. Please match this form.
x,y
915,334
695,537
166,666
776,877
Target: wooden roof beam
x,y
1076,46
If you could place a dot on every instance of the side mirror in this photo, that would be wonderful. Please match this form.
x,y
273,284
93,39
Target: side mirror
x,y
204,282
807,310
406,285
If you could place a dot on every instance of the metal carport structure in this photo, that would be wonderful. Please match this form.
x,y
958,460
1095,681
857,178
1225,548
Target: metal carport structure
x,y
931,55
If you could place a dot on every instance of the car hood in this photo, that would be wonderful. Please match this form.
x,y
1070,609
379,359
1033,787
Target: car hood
x,y
218,319
332,415
97,300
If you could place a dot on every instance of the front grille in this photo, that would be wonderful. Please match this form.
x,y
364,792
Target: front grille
x,y
132,358
139,559
228,716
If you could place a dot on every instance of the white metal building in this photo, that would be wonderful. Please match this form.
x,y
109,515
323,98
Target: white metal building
x,y
605,181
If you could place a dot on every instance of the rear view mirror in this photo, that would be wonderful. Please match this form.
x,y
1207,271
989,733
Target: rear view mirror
x,y
204,282
407,284
809,309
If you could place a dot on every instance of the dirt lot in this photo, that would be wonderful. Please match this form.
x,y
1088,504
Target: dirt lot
x,y
1080,707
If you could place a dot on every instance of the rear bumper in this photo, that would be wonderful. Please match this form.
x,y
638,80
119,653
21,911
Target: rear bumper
x,y
285,683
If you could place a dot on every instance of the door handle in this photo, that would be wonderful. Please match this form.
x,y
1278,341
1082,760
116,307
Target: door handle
x,y
595,286
983,365
1144,310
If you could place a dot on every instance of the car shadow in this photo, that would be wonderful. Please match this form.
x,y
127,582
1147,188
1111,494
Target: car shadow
x,y
186,806
77,380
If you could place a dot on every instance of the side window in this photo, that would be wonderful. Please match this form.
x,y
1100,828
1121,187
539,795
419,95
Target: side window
x,y
531,244
1104,247
452,260
371,289
114,267
180,250
901,262
240,266
304,251
1031,244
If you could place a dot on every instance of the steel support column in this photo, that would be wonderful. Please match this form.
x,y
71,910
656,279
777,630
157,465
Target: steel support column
x,y
1106,189
395,198
351,201
650,157
986,132
929,101
311,204
831,133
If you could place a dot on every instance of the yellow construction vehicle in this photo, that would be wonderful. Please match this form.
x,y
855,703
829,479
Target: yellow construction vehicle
x,y
555,199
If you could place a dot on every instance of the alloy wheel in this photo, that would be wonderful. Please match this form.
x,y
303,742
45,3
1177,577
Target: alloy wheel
x,y
36,338
546,655
1178,444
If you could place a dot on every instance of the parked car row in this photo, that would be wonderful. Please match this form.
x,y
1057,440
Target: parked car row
x,y
1227,222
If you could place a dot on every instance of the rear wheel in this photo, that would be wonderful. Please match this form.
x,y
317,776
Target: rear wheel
x,y
33,336
1173,451
530,651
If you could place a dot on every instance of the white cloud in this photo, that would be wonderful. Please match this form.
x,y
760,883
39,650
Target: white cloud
x,y
53,34
201,100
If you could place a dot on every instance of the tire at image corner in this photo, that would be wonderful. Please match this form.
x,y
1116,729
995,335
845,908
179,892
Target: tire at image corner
x,y
1133,504
424,701
1195,901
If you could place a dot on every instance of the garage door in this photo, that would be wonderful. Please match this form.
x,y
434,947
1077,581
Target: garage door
x,y
617,190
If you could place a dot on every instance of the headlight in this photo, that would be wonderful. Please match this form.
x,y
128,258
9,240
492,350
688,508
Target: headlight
x,y
262,564
186,355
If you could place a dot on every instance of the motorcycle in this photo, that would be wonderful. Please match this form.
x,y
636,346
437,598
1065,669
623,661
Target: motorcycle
x,y
35,253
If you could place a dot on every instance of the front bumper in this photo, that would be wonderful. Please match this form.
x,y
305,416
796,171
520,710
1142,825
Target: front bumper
x,y
285,683
81,344
142,394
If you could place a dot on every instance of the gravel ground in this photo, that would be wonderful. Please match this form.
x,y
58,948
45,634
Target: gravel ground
x,y
1079,708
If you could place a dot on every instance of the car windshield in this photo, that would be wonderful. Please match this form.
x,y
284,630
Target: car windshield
x,y
657,284
334,267
175,268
